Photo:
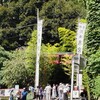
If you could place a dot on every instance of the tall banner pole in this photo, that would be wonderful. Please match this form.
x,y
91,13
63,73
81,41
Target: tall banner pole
x,y
80,40
39,37
72,80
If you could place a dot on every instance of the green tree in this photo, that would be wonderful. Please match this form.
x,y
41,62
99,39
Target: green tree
x,y
86,83
60,13
17,22
67,44
44,63
15,71
67,40
93,70
93,64
66,62
92,35
45,69
18,19
4,55
31,51
96,89
92,44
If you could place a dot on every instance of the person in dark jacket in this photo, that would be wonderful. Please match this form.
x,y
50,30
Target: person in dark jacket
x,y
24,94
84,94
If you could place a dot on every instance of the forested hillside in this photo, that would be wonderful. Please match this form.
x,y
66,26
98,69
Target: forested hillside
x,y
18,20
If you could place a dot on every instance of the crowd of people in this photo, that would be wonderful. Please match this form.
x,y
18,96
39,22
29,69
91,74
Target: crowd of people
x,y
19,95
58,92
53,92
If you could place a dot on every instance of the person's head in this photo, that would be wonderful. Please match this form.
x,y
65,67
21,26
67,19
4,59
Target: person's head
x,y
67,85
53,84
48,84
24,88
37,86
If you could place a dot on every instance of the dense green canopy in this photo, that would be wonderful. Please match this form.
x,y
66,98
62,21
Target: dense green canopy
x,y
92,46
18,20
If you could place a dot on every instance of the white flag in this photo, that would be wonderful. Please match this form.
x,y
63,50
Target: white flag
x,y
80,37
39,38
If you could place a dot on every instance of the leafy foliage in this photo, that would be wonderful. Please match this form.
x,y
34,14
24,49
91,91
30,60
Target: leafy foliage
x,y
66,62
18,20
94,64
86,82
59,14
96,89
54,67
14,19
15,71
67,39
93,71
31,51
4,55
44,63
57,75
93,28
45,69
92,44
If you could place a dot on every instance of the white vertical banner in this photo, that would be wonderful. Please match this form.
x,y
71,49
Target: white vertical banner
x,y
80,36
39,37
80,81
80,40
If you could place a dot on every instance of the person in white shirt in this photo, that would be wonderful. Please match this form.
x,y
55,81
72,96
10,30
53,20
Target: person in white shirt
x,y
54,94
48,92
60,91
65,91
